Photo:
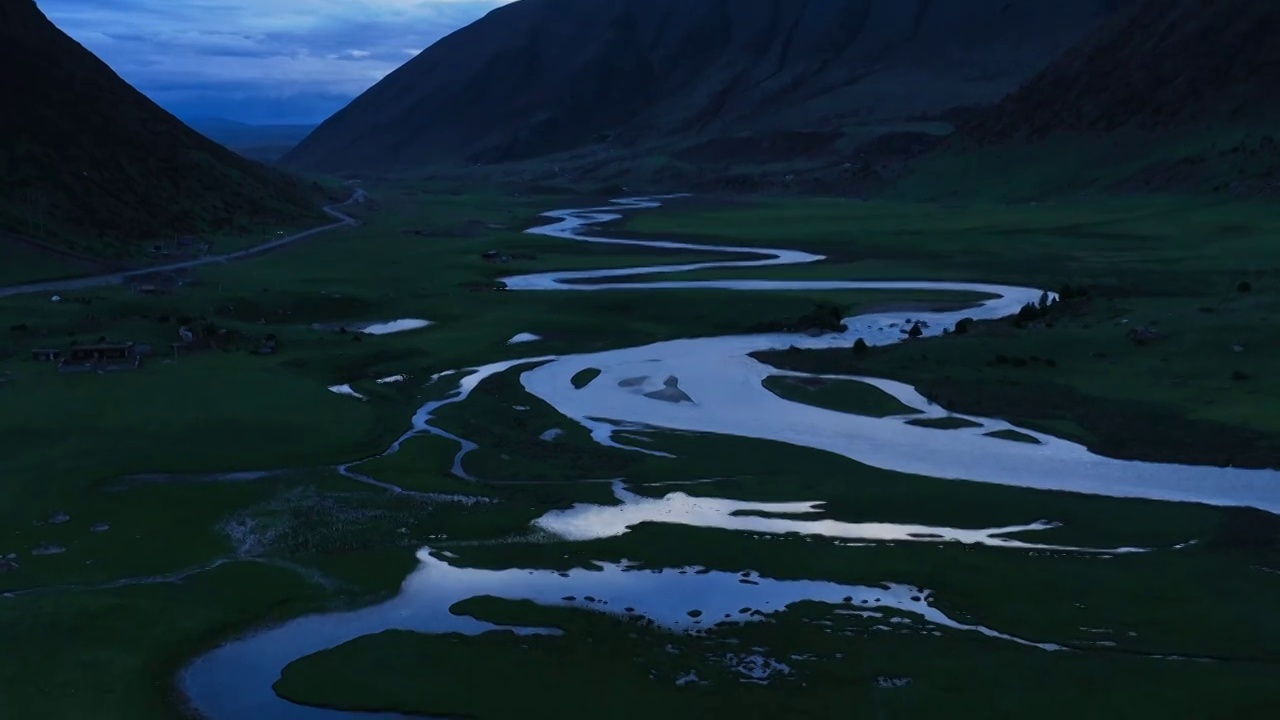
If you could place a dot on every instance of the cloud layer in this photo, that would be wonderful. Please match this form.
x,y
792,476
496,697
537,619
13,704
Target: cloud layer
x,y
258,60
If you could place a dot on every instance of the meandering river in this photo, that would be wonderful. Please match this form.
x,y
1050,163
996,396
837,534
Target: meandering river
x,y
712,385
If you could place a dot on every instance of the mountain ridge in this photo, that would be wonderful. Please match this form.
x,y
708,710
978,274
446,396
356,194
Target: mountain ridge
x,y
520,83
88,161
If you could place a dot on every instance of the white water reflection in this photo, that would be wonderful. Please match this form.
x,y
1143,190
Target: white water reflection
x,y
586,521
524,337
729,398
724,386
234,681
394,326
346,389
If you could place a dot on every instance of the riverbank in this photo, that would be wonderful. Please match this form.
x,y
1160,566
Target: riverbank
x,y
619,397
317,540
1166,361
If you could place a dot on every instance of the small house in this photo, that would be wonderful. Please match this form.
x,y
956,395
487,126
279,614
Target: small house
x,y
101,355
46,354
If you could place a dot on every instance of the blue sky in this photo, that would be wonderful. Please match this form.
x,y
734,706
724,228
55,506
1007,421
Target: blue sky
x,y
264,61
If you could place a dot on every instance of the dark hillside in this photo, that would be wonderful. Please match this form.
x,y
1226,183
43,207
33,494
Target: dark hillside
x,y
523,82
1168,95
1164,65
88,162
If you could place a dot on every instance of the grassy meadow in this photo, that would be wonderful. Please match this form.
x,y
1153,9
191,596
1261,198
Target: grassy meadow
x,y
153,514
1200,275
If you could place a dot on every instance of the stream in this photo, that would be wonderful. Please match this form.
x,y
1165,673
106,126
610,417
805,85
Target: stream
x,y
711,385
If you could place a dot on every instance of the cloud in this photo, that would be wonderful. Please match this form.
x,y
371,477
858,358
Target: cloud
x,y
258,60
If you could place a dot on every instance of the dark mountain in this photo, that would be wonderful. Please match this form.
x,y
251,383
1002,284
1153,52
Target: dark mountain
x,y
1169,94
1162,65
87,161
545,76
265,143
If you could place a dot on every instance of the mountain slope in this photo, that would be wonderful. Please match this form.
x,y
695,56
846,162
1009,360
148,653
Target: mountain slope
x,y
1166,96
524,81
1164,65
86,161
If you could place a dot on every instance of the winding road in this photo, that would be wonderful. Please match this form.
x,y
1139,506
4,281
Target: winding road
x,y
81,283
721,391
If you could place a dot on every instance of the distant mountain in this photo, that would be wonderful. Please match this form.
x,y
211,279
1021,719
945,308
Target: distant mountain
x,y
265,143
538,77
89,162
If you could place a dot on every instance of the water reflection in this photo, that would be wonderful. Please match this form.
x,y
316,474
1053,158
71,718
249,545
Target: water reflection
x,y
593,522
234,682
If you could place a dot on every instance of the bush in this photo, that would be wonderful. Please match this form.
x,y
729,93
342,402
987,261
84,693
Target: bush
x,y
860,346
824,316
963,325
1244,286
1029,313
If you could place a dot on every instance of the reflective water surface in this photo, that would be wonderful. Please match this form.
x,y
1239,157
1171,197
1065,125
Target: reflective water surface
x,y
711,385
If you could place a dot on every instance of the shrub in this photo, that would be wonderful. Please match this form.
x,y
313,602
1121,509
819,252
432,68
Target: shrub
x,y
1028,313
1244,286
860,346
963,325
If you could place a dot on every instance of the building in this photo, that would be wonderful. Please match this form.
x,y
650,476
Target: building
x,y
112,356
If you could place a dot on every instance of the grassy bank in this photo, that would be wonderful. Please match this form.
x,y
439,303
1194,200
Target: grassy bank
x,y
1199,277
117,502
606,666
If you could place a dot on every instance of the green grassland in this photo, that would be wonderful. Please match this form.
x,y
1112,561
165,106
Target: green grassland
x,y
21,262
1172,264
193,556
604,666
844,395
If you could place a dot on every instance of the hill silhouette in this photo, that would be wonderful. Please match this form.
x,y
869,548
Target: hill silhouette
x,y
540,77
88,162
264,143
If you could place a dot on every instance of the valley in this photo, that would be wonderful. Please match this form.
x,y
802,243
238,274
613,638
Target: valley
x,y
274,525
608,358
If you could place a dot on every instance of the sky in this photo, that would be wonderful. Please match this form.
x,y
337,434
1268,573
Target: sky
x,y
258,61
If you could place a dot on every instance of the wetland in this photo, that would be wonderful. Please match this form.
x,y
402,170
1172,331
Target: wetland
x,y
605,478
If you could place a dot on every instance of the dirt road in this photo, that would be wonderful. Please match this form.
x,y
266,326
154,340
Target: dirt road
x,y
80,283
